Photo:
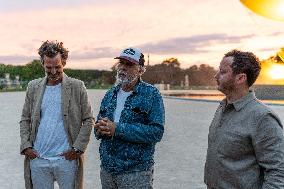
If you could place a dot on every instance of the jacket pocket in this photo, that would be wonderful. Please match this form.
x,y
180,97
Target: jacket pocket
x,y
139,110
137,114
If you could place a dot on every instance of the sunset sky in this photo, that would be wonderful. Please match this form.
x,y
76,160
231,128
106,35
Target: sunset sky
x,y
95,31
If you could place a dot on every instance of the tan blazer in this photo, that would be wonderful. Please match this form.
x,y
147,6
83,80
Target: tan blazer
x,y
77,117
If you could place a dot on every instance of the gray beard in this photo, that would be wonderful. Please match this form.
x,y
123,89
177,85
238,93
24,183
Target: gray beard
x,y
124,81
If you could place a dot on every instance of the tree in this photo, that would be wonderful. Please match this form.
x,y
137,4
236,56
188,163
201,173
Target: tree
x,y
202,75
33,70
172,62
168,72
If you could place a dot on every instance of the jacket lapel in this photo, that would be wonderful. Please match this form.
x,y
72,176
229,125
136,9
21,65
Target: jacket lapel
x,y
65,94
65,99
38,99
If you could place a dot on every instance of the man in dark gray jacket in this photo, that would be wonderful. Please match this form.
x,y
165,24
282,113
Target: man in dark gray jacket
x,y
245,141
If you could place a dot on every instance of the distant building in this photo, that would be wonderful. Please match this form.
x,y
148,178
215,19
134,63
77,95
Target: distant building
x,y
162,86
186,82
6,82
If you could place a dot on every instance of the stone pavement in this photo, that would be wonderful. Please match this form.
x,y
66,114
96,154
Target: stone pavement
x,y
179,156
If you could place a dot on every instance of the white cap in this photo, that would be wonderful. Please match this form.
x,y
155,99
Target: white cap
x,y
132,55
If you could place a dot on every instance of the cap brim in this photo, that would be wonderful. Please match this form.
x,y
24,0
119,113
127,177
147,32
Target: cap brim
x,y
127,59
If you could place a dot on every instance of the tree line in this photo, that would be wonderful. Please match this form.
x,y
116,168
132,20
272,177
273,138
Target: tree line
x,y
168,72
34,69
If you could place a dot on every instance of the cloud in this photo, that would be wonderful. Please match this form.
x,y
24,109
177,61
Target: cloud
x,y
94,53
29,5
193,44
278,33
85,54
16,5
182,45
17,59
267,49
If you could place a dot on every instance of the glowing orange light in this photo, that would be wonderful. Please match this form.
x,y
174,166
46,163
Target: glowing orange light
x,y
280,53
273,9
276,71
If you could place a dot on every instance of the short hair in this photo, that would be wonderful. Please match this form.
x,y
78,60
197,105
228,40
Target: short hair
x,y
245,62
51,49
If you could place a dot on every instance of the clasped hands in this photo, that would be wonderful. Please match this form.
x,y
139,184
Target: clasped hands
x,y
68,155
105,127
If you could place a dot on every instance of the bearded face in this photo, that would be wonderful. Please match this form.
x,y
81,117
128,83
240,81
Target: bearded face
x,y
225,77
127,73
123,77
53,68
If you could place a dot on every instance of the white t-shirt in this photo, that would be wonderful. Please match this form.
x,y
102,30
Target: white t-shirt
x,y
121,98
51,139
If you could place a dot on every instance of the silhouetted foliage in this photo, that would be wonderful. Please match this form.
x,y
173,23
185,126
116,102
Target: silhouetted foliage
x,y
34,70
169,72
202,75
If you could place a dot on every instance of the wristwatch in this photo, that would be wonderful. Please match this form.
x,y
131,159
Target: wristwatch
x,y
77,150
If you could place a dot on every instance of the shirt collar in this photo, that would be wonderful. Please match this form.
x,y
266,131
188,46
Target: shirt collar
x,y
136,88
242,102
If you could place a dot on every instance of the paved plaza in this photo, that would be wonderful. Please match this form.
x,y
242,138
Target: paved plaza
x,y
179,156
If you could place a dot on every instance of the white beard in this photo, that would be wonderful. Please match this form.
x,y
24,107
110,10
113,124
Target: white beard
x,y
126,79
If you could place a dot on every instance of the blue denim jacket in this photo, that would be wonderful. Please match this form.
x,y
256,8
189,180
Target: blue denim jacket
x,y
140,127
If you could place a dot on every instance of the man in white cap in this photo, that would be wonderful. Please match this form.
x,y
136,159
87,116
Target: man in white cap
x,y
130,123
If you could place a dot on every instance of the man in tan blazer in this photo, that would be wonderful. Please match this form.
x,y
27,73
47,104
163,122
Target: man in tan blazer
x,y
55,125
